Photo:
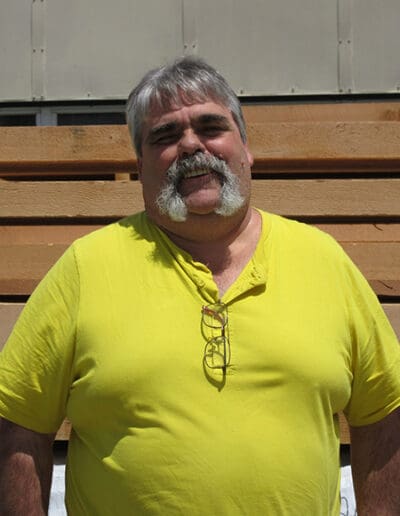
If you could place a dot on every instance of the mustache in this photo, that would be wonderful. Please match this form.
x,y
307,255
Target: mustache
x,y
181,167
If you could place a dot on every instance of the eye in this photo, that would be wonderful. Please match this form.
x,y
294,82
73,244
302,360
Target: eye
x,y
213,130
165,139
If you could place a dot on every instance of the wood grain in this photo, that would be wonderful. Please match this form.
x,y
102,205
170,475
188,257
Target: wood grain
x,y
278,147
27,253
9,313
320,111
66,149
325,146
359,141
369,198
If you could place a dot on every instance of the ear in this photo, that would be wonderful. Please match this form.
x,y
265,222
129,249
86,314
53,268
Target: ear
x,y
139,168
249,155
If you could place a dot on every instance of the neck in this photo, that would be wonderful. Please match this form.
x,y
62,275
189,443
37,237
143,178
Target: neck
x,y
224,247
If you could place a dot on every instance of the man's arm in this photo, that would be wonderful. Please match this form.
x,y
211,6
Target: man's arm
x,y
375,462
26,464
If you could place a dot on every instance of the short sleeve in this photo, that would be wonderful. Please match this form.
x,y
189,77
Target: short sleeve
x,y
36,361
375,356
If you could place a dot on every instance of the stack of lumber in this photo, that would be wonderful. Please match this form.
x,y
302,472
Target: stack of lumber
x,y
333,165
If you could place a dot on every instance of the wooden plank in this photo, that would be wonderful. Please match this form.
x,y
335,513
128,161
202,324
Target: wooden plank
x,y
375,249
64,431
295,198
27,252
21,268
329,197
284,146
9,313
380,264
344,429
43,234
377,232
320,111
65,234
345,147
66,149
393,313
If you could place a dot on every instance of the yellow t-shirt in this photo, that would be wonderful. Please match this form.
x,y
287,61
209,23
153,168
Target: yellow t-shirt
x,y
112,339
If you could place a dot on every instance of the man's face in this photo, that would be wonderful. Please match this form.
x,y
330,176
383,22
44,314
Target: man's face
x,y
182,143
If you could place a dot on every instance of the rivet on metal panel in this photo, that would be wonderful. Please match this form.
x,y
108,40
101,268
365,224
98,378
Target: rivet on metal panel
x,y
340,41
349,41
88,93
42,50
241,90
33,50
292,90
194,45
185,45
340,90
349,90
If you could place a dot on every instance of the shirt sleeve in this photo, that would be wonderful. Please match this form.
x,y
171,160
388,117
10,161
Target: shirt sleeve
x,y
36,361
375,355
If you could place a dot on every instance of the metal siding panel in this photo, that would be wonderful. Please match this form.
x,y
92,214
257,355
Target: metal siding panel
x,y
274,47
96,49
101,48
15,50
376,34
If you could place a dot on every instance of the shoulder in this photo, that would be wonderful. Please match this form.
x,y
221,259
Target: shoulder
x,y
298,236
132,227
130,242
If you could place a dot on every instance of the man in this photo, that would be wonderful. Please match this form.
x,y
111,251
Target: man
x,y
202,349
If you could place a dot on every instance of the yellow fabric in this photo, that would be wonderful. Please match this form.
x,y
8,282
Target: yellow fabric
x,y
112,339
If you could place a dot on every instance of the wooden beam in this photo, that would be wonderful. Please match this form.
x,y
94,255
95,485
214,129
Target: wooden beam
x,y
312,111
27,252
98,149
284,147
64,431
325,147
295,198
44,234
9,313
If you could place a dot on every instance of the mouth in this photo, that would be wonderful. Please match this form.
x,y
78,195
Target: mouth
x,y
195,173
195,180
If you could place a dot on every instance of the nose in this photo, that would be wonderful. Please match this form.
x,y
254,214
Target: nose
x,y
189,144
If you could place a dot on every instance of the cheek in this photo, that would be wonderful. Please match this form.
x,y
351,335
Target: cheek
x,y
232,151
166,156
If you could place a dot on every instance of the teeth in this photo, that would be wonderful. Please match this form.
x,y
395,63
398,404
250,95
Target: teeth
x,y
195,173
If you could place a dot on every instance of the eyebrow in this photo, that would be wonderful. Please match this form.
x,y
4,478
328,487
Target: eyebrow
x,y
157,131
213,118
171,127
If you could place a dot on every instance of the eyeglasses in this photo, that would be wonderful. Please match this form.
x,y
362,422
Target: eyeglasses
x,y
217,351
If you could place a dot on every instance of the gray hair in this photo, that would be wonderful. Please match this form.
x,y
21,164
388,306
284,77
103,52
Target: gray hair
x,y
187,80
